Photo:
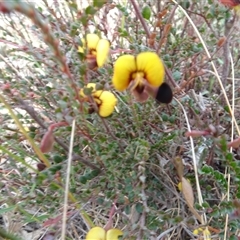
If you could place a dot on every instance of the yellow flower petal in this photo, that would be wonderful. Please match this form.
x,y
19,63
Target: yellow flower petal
x,y
108,102
89,85
102,50
237,9
197,231
180,187
205,232
152,66
96,233
124,67
92,41
81,49
113,234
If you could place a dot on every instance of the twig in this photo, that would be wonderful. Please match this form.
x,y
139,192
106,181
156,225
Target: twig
x,y
226,52
166,232
205,19
142,179
140,17
109,224
170,18
232,135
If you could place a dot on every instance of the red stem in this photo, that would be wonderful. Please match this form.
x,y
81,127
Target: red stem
x,y
55,125
109,224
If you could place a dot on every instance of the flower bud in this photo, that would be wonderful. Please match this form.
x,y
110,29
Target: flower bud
x,y
47,141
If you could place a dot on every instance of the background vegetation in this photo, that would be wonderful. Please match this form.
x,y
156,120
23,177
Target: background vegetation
x,y
129,160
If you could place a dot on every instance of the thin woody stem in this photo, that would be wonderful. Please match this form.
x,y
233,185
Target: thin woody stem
x,y
140,17
109,224
59,124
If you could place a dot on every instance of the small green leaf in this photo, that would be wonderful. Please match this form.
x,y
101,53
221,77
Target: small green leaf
x,y
164,117
127,209
233,238
48,89
62,104
139,208
8,209
177,75
88,91
166,57
185,4
205,205
172,119
57,159
73,6
207,169
94,173
169,64
226,108
146,12
54,169
84,19
90,10
99,86
99,3
83,179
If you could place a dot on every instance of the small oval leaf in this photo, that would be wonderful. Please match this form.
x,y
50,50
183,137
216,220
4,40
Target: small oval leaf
x,y
146,12
187,192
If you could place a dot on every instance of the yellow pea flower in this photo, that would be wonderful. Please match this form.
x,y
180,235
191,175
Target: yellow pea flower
x,y
102,50
98,233
105,100
205,232
143,75
92,41
180,186
98,50
145,66
89,86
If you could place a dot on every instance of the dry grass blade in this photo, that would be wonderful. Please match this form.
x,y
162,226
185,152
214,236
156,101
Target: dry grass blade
x,y
68,173
200,199
232,136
